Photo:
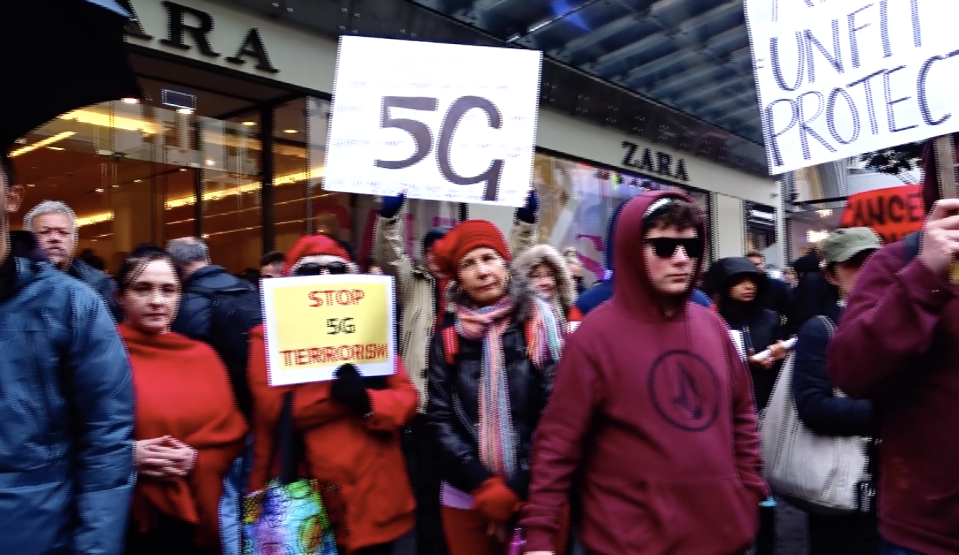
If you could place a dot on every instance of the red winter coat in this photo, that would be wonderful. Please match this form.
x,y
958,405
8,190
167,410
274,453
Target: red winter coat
x,y
373,502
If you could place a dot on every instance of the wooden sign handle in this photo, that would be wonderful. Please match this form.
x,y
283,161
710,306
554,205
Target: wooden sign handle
x,y
946,166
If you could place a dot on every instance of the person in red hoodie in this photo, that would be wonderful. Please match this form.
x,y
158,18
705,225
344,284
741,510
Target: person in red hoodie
x,y
350,427
660,434
189,430
898,346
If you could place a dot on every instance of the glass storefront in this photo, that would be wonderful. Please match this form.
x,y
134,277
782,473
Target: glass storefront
x,y
578,199
138,173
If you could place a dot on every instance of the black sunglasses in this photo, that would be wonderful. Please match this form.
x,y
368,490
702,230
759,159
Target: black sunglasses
x,y
665,247
314,269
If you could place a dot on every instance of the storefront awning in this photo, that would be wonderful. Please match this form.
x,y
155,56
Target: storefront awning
x,y
676,72
691,55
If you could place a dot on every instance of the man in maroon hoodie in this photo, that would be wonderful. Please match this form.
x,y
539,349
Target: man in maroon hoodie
x,y
652,409
898,346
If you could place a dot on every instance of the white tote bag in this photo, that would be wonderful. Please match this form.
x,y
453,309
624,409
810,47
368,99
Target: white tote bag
x,y
820,473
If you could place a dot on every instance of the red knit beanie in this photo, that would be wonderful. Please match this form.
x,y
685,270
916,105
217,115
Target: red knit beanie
x,y
469,235
319,246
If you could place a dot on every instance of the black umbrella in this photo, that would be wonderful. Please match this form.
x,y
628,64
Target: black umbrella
x,y
60,55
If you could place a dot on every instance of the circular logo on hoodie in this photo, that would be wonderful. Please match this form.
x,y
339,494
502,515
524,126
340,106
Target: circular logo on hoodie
x,y
685,390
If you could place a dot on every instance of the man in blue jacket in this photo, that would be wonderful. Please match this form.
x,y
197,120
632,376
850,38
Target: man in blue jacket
x,y
602,291
66,414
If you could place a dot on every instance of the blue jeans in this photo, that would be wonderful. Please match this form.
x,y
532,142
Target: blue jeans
x,y
887,548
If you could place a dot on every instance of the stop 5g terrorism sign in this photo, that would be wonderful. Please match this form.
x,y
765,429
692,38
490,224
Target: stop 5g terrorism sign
x,y
314,324
439,121
837,78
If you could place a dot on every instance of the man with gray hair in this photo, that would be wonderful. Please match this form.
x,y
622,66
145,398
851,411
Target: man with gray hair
x,y
54,225
217,308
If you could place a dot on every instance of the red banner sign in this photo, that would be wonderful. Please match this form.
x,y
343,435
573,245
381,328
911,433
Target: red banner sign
x,y
893,213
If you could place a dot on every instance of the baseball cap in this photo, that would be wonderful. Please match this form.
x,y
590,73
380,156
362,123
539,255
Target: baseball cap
x,y
845,243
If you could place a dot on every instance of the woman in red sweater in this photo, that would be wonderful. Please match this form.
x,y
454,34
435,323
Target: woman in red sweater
x,y
188,430
350,426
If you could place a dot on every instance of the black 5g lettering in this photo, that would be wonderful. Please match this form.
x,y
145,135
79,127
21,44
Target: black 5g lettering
x,y
423,137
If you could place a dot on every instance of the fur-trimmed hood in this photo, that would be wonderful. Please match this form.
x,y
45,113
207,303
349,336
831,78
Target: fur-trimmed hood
x,y
546,254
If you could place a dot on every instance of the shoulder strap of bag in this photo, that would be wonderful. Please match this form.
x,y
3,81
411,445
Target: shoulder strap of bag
x,y
912,243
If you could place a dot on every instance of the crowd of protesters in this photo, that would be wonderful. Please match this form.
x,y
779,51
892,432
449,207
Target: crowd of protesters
x,y
525,408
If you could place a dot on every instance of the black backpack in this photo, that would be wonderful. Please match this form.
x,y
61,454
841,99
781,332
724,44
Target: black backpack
x,y
234,311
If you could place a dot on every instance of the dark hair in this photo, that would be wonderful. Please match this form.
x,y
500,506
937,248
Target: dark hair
x,y
755,254
271,258
251,275
6,165
138,260
89,256
679,213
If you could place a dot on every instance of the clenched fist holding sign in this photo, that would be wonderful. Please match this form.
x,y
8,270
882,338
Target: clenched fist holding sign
x,y
315,324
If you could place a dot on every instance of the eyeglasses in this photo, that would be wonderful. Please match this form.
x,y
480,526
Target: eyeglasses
x,y
665,247
314,269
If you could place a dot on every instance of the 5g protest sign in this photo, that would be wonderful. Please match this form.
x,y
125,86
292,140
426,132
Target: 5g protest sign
x,y
837,78
314,324
440,121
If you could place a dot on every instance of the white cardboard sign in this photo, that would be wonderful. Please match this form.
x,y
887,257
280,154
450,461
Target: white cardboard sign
x,y
439,121
837,78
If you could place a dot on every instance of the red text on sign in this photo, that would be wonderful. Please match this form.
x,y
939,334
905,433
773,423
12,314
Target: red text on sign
x,y
331,297
342,353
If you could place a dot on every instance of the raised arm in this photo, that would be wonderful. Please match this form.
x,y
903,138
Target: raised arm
x,y
523,234
388,248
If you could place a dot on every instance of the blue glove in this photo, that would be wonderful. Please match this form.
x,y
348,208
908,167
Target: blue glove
x,y
391,206
528,212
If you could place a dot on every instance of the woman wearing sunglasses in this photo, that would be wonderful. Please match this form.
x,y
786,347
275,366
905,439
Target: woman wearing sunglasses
x,y
350,425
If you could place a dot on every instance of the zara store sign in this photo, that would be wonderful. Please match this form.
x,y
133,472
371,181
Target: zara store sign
x,y
654,162
190,29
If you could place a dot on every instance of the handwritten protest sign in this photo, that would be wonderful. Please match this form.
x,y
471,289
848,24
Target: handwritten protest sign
x,y
838,78
445,122
314,324
893,213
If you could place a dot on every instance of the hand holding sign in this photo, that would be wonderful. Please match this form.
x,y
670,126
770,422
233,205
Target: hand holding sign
x,y
940,238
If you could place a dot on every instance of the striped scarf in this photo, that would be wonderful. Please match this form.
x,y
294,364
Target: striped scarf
x,y
497,442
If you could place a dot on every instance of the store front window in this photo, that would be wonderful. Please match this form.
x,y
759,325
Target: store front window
x,y
132,174
577,201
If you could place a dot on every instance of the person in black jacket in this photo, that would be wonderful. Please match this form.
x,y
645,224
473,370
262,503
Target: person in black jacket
x,y
488,386
738,288
844,253
813,294
777,296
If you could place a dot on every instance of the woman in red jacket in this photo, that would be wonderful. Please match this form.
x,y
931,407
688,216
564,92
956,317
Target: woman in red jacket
x,y
189,431
350,427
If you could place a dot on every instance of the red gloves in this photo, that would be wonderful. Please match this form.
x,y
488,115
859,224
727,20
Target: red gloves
x,y
496,501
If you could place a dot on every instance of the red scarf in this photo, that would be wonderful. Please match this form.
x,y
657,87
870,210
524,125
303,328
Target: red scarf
x,y
182,390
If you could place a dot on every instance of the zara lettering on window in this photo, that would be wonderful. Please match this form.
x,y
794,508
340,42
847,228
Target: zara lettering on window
x,y
189,28
654,162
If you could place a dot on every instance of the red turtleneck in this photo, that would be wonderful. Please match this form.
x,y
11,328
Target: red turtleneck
x,y
182,390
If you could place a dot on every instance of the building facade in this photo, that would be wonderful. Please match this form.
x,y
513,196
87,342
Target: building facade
x,y
231,146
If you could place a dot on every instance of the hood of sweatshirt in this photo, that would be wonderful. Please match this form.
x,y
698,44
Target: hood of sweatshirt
x,y
633,291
